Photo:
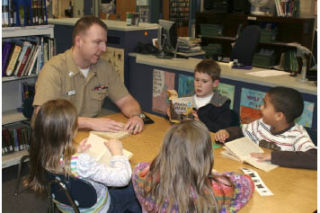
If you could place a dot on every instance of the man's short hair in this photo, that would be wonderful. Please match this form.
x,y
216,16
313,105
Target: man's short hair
x,y
288,101
210,67
84,23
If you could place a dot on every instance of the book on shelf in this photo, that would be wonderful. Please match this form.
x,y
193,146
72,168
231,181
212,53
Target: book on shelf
x,y
23,58
13,59
31,69
179,108
6,50
15,137
27,63
241,148
5,13
24,12
99,151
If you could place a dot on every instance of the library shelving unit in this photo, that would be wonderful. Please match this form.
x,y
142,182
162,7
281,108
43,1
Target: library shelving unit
x,y
222,28
12,86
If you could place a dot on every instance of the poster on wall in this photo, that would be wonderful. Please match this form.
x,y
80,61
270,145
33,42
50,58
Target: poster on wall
x,y
306,118
115,56
185,85
162,81
250,103
228,91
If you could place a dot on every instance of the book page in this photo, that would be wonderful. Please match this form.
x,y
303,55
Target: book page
x,y
264,165
99,151
242,147
111,135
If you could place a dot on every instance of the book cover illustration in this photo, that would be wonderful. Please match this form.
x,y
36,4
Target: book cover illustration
x,y
179,108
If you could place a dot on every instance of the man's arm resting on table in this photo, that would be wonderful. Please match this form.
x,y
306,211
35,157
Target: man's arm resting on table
x,y
131,108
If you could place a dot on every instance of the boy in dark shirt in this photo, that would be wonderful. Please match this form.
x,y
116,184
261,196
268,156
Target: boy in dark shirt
x,y
211,107
277,130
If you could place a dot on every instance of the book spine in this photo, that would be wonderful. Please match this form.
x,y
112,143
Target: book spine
x,y
13,59
5,56
5,13
24,61
33,60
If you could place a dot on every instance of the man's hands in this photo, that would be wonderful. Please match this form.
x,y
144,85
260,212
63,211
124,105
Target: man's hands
x,y
100,124
221,135
134,125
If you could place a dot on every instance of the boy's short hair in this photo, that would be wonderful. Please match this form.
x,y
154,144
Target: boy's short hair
x,y
210,67
288,101
84,23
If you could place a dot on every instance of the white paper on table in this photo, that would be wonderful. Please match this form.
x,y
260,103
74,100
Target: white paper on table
x,y
268,73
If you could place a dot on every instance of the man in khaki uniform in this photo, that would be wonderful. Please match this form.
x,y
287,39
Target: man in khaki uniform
x,y
80,76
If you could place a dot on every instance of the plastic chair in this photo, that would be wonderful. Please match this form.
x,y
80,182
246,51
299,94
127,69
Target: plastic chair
x,y
244,47
71,191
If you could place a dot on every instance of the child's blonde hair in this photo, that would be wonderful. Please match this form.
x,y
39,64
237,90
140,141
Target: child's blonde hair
x,y
51,147
210,67
182,168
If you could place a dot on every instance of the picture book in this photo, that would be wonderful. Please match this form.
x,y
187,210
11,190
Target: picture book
x,y
99,151
179,108
241,148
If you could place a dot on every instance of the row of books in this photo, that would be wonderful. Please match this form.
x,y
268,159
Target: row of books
x,y
15,137
288,8
24,12
25,56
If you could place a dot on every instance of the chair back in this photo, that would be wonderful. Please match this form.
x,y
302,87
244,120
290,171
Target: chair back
x,y
246,44
72,191
313,135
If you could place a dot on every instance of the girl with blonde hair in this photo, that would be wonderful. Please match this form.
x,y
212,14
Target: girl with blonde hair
x,y
52,150
180,178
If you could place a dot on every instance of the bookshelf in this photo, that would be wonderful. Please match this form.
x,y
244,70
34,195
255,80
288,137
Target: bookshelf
x,y
222,29
12,89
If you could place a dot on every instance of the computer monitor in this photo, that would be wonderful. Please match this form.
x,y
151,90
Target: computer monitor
x,y
167,38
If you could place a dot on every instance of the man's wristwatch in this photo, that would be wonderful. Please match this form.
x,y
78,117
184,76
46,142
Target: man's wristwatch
x,y
140,115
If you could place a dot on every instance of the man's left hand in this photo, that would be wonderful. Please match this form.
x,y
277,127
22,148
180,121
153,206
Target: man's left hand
x,y
134,125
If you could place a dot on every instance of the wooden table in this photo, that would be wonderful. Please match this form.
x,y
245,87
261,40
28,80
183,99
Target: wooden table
x,y
295,190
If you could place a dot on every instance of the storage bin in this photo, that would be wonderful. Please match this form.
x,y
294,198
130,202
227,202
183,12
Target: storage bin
x,y
209,30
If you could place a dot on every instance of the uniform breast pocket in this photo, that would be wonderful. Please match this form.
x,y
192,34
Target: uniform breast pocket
x,y
99,95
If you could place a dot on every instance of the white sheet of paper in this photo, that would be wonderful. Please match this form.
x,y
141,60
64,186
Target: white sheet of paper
x,y
268,73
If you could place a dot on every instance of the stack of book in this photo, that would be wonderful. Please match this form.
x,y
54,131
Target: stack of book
x,y
24,12
189,46
288,8
15,137
25,56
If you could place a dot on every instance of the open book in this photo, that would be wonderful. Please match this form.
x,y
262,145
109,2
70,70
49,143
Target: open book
x,y
180,108
240,150
99,151
111,135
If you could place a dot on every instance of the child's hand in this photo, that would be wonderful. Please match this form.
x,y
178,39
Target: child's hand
x,y
221,135
262,156
195,115
115,146
83,146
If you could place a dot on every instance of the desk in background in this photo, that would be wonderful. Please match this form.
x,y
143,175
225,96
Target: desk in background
x,y
295,190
